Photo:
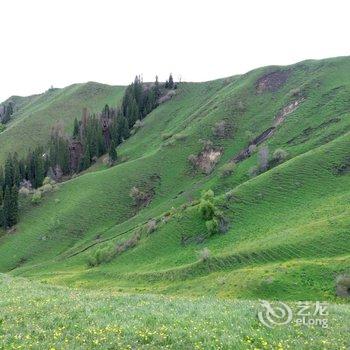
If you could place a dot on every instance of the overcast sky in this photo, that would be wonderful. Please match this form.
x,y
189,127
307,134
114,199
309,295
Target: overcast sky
x,y
60,42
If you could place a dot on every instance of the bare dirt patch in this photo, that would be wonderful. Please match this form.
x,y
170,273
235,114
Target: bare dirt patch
x,y
281,116
207,158
272,82
143,193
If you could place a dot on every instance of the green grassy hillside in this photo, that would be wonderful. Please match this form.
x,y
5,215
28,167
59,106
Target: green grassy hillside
x,y
287,235
35,115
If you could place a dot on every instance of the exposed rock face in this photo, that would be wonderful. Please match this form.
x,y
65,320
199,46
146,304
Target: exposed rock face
x,y
2,112
75,154
271,82
287,110
207,158
280,117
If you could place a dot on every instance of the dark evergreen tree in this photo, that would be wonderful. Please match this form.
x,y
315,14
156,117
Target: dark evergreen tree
x,y
123,128
16,171
39,170
13,219
22,169
76,129
9,178
7,207
30,169
85,161
58,153
8,111
2,180
2,217
157,87
112,153
171,81
106,112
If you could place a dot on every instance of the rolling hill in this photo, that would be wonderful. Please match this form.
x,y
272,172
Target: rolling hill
x,y
286,234
35,115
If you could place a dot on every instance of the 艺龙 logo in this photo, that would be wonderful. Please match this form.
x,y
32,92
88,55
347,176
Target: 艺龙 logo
x,y
271,316
308,314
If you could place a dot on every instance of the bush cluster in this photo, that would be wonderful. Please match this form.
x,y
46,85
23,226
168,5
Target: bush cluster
x,y
214,219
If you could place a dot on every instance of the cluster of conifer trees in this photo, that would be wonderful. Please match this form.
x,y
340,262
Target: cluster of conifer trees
x,y
29,171
92,136
9,182
98,135
6,111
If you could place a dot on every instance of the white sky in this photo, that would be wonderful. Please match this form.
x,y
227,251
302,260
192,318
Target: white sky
x,y
60,42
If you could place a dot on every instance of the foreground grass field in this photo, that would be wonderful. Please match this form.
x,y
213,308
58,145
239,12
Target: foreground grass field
x,y
49,317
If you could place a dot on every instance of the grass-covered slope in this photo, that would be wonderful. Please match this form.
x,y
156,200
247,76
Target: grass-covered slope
x,y
35,115
48,317
288,227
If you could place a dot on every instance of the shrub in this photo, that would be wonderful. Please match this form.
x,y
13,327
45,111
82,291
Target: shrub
x,y
151,226
24,191
2,127
192,159
166,135
222,129
138,196
295,92
214,219
129,243
204,255
227,169
343,286
263,158
207,209
36,199
49,181
101,255
206,206
180,137
46,188
208,195
138,124
279,155
207,144
212,226
253,171
26,183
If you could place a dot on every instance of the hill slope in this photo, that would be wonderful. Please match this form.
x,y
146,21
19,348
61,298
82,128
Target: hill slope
x,y
35,115
287,235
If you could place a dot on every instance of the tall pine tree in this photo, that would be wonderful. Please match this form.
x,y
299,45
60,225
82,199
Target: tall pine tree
x,y
14,206
7,207
9,172
112,153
